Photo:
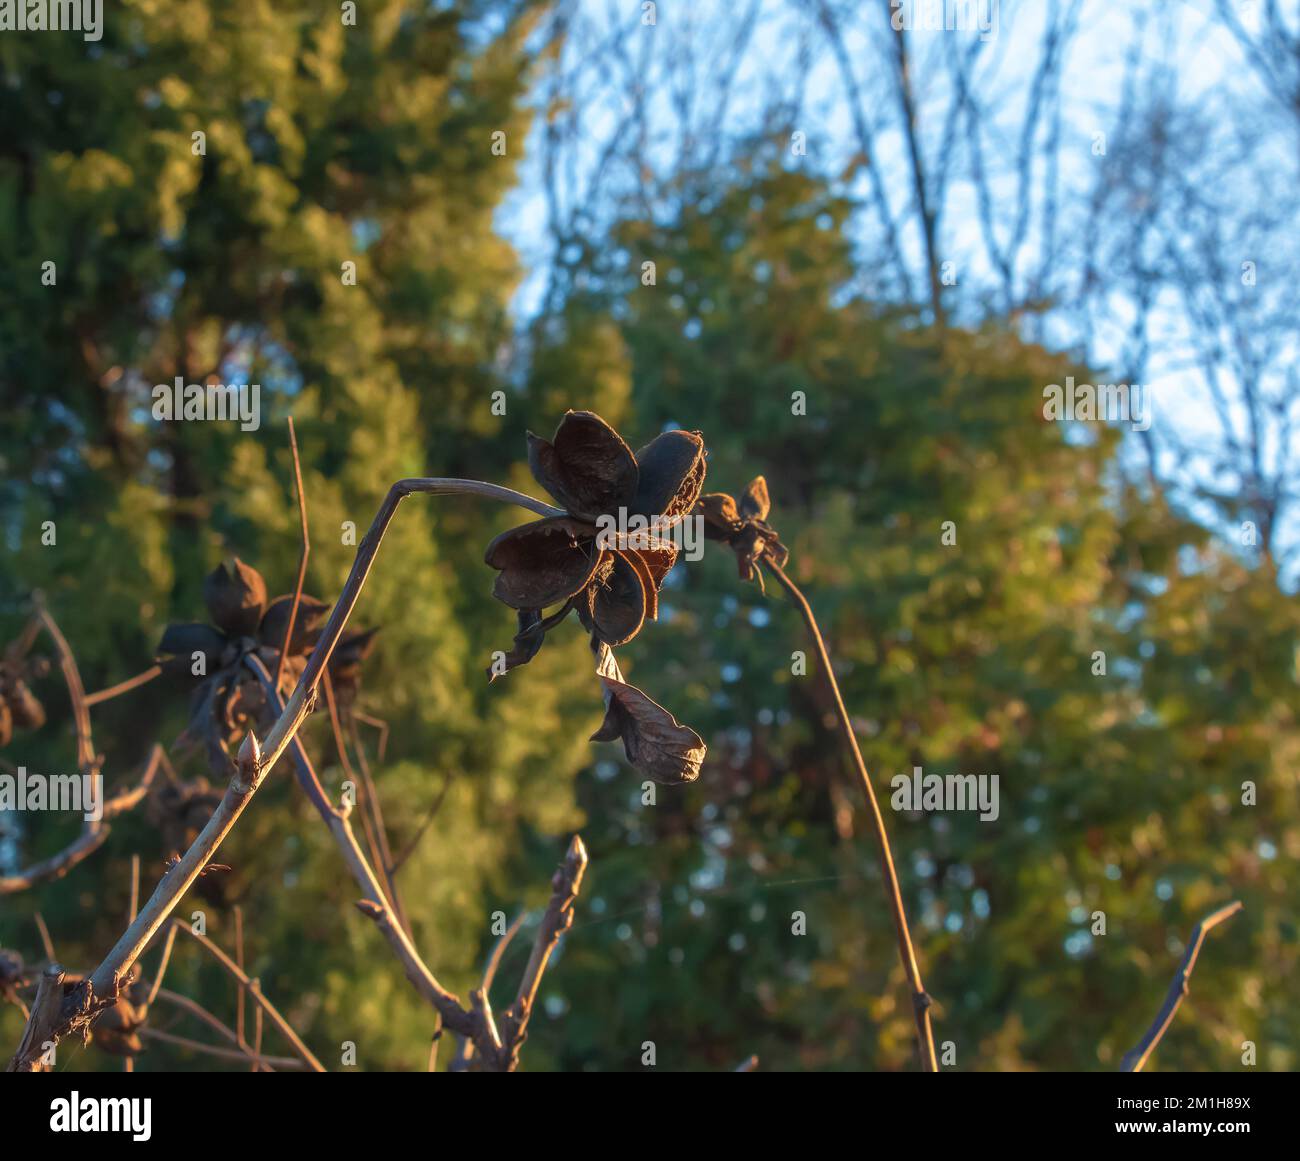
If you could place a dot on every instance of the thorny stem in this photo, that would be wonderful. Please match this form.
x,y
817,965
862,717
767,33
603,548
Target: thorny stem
x,y
60,1015
920,998
1135,1060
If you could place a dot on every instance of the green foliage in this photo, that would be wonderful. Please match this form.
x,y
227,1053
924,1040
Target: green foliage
x,y
1120,793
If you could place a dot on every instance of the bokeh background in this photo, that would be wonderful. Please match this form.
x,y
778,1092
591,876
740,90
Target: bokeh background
x,y
919,231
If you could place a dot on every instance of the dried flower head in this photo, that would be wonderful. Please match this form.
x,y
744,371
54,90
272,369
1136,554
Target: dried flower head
x,y
744,528
613,584
230,699
558,561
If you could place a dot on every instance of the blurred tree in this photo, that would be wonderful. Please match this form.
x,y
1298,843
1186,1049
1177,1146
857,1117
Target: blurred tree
x,y
1124,676
206,180
740,914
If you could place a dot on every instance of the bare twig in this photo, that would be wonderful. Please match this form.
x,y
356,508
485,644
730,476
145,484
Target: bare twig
x,y
494,960
303,554
920,998
1180,986
163,961
407,851
239,1054
86,763
376,724
46,942
253,763
239,960
565,885
257,1023
91,838
273,1013
372,815
202,1014
123,686
135,888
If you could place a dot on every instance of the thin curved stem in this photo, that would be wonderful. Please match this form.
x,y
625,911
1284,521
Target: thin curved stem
x,y
304,552
220,1053
273,1013
1135,1060
123,686
300,702
920,998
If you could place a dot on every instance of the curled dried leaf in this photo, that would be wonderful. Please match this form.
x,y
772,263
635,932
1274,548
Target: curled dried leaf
x,y
655,742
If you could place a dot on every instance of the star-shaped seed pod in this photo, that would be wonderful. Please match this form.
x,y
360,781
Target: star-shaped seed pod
x,y
612,582
566,561
229,698
241,621
744,528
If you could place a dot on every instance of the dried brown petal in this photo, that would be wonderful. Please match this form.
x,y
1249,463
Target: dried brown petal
x,y
655,742
618,603
659,560
671,469
179,644
587,468
543,563
649,586
721,516
236,598
306,624
529,638
755,503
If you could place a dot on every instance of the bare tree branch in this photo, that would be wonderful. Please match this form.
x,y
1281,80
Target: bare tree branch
x,y
1180,986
